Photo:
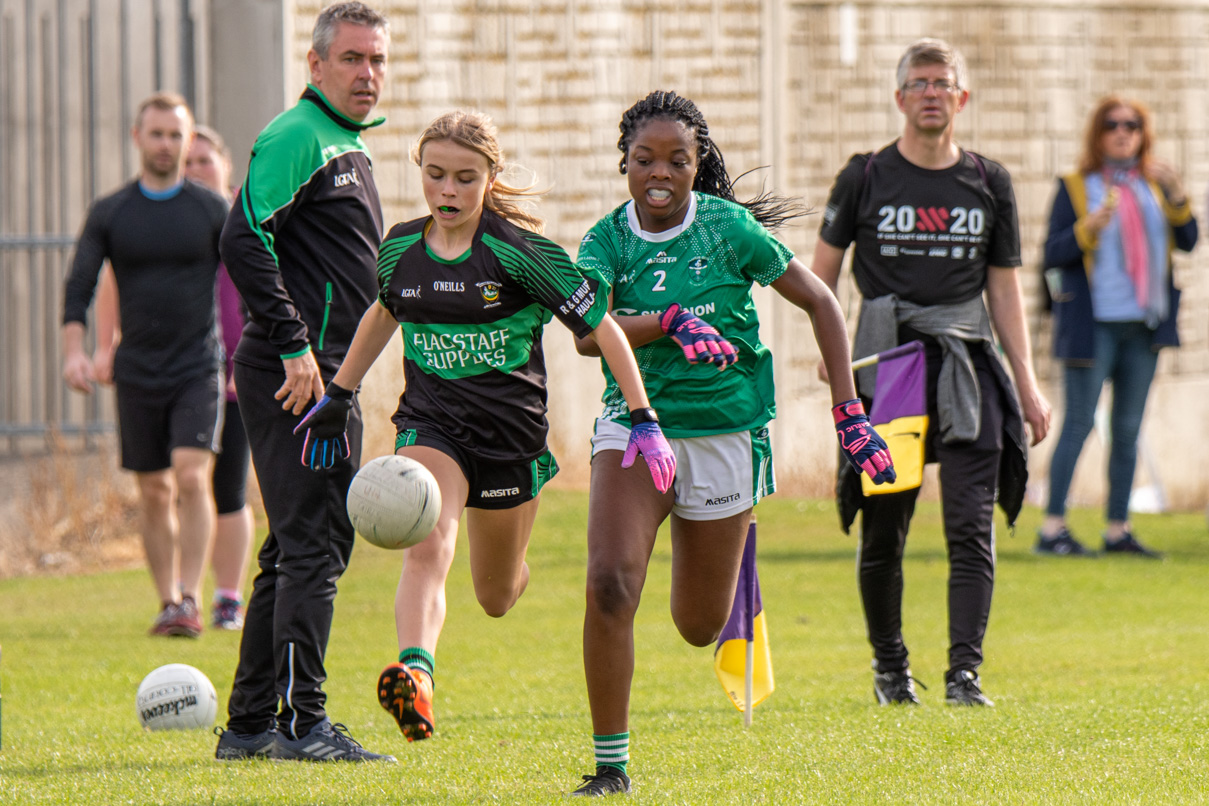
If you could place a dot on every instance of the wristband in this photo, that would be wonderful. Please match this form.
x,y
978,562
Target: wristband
x,y
639,416
665,318
849,408
337,392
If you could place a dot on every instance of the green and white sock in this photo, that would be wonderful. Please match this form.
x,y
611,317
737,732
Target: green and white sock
x,y
612,750
415,657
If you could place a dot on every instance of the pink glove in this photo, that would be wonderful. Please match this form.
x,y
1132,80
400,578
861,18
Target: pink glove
x,y
861,444
647,438
699,339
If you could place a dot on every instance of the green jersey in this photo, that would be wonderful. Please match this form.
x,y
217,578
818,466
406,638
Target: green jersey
x,y
707,264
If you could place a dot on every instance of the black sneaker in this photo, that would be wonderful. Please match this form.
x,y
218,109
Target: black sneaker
x,y
1128,544
965,688
893,688
325,742
606,781
234,746
1062,544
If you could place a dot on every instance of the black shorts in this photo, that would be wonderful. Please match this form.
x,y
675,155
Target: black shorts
x,y
153,422
492,485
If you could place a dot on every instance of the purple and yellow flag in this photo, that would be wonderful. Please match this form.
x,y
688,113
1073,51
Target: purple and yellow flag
x,y
900,415
742,659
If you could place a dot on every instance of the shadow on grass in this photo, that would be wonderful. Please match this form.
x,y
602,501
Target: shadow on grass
x,y
40,772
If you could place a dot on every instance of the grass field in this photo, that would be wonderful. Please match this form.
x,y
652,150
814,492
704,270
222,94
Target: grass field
x,y
1099,668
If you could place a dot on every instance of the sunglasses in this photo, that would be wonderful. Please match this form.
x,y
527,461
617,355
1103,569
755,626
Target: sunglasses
x,y
1130,125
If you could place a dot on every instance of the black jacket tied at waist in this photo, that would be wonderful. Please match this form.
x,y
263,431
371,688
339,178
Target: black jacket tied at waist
x,y
957,329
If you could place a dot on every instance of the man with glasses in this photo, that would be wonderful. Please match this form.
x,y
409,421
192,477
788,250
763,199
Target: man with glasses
x,y
935,227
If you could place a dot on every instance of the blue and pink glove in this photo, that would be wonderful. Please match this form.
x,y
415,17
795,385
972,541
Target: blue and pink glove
x,y
699,340
861,444
326,425
647,438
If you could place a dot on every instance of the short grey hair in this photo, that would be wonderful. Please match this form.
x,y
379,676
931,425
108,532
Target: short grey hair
x,y
932,51
352,13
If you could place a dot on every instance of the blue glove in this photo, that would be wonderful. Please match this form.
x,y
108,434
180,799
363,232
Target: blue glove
x,y
861,444
326,425
646,437
699,339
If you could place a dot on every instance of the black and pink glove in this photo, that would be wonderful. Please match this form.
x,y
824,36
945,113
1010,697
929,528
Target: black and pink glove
x,y
646,437
326,426
861,444
699,340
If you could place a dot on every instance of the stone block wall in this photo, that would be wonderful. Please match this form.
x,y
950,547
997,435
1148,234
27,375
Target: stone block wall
x,y
768,77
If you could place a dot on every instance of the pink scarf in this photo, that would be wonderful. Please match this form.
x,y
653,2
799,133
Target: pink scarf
x,y
1133,232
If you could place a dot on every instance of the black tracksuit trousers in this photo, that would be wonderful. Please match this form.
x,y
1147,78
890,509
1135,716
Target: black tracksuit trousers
x,y
969,475
289,616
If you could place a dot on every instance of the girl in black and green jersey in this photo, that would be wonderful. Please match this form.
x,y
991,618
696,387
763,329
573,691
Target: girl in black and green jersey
x,y
679,261
472,285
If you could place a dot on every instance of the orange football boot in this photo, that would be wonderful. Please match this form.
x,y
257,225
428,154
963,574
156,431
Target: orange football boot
x,y
407,694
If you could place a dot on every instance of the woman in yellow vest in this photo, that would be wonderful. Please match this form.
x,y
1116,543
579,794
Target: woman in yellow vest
x,y
1112,229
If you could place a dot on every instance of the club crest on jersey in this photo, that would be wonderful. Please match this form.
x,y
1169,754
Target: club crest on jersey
x,y
696,270
490,291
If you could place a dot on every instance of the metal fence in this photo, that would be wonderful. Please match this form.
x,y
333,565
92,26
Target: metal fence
x,y
71,73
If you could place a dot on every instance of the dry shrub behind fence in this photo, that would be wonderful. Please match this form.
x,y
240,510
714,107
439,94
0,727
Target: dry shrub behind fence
x,y
67,512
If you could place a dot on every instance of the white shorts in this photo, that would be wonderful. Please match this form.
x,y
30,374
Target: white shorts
x,y
716,476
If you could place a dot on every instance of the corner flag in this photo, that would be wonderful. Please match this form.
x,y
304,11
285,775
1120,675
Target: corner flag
x,y
742,659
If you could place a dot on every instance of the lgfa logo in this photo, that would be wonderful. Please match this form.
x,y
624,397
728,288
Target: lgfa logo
x,y
347,178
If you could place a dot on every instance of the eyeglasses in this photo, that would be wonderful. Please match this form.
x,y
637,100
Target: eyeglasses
x,y
921,85
1130,125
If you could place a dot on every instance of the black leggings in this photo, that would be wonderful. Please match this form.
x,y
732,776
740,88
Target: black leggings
x,y
969,474
231,466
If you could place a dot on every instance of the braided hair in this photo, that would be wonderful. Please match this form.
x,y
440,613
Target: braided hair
x,y
769,209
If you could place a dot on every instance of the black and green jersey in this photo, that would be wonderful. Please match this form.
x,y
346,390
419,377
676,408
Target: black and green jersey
x,y
472,328
301,242
707,265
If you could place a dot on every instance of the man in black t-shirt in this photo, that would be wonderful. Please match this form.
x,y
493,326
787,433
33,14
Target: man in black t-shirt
x,y
935,227
160,234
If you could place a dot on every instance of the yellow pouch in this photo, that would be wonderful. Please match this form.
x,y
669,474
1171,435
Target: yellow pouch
x,y
904,437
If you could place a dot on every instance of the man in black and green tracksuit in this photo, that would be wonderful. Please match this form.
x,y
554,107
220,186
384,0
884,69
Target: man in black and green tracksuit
x,y
301,245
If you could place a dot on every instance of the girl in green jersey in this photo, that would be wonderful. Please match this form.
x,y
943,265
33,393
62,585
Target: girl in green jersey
x,y
680,260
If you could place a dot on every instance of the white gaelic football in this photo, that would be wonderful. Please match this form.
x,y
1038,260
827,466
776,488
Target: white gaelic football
x,y
394,502
176,697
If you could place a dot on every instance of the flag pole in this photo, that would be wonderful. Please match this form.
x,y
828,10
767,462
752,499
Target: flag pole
x,y
750,661
867,361
747,686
